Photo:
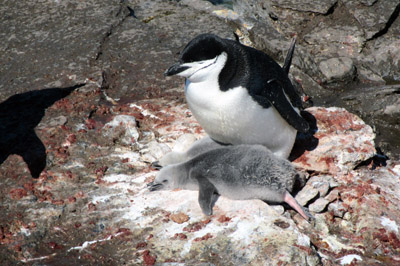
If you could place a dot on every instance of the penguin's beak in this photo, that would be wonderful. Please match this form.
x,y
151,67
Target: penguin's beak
x,y
175,69
154,186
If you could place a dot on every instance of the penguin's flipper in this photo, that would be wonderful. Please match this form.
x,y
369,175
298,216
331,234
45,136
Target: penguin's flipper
x,y
275,95
289,56
207,198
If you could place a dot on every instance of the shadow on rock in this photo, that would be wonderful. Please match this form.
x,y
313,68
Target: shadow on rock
x,y
19,115
305,141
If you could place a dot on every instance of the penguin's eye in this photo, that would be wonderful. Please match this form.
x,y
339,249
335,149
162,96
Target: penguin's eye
x,y
165,181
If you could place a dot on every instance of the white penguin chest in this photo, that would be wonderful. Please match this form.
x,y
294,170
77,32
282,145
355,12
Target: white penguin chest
x,y
234,117
217,110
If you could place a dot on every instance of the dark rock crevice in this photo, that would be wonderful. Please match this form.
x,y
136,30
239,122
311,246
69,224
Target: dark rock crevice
x,y
331,10
123,13
391,20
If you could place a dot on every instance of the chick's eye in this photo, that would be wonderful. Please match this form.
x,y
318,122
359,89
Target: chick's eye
x,y
165,181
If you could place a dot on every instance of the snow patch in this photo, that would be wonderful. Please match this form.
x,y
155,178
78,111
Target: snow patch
x,y
88,243
396,169
143,111
303,240
25,231
349,258
103,199
389,224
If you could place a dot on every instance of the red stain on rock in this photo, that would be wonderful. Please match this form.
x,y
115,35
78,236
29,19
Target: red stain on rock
x,y
57,202
18,193
328,160
79,194
224,219
166,215
92,206
141,245
71,199
5,235
303,160
394,240
338,120
194,227
124,231
90,124
44,195
71,138
205,237
69,174
304,248
54,245
29,186
17,248
101,171
180,236
388,239
148,260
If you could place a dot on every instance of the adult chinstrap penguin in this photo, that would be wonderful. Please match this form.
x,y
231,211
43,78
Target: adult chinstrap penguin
x,y
240,95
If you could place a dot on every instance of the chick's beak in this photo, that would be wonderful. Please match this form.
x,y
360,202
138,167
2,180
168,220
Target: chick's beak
x,y
175,69
154,186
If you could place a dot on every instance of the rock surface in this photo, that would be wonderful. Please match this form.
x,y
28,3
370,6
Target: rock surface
x,y
97,112
364,32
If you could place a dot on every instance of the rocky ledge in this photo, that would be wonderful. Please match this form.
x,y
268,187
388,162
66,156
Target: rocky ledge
x,y
79,135
92,204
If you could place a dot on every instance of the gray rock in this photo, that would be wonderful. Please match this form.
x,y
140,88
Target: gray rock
x,y
123,129
337,209
268,39
334,69
52,40
382,57
321,7
149,43
393,108
319,205
279,209
154,151
342,40
307,194
368,2
365,32
367,75
333,195
253,9
340,145
321,185
373,17
54,122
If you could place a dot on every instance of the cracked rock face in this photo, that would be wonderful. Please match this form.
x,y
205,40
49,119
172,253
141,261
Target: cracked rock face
x,y
84,107
350,44
306,6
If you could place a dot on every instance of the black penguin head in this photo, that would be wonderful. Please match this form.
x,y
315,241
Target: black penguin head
x,y
202,58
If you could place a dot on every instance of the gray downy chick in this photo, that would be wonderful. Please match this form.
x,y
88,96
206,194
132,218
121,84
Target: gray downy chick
x,y
199,146
238,172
